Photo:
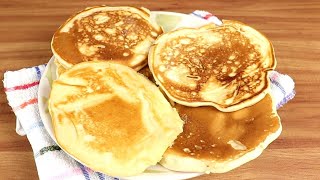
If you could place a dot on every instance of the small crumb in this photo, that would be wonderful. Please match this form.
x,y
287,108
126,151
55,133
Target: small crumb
x,y
224,69
121,38
154,34
237,145
187,150
90,90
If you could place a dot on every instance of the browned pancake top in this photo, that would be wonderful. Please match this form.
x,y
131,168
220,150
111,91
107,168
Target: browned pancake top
x,y
222,66
103,35
105,124
207,131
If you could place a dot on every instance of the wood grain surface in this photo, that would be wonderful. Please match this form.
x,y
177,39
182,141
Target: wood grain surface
x,y
26,28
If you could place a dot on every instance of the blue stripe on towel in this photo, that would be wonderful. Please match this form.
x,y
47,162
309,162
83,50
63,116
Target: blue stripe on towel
x,y
276,83
101,176
38,124
286,99
197,15
38,72
84,171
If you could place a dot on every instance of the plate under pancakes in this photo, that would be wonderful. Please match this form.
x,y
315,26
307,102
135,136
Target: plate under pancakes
x,y
222,66
108,122
217,142
119,34
201,162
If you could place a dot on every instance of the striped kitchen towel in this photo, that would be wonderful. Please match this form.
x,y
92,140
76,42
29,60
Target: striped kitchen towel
x,y
21,88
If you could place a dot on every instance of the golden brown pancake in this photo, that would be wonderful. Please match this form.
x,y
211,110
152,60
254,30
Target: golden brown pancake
x,y
217,142
118,34
111,118
222,66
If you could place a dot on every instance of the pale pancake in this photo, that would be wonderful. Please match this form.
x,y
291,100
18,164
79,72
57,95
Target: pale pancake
x,y
112,118
118,34
222,66
144,71
215,142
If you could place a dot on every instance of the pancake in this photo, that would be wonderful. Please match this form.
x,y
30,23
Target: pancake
x,y
216,142
148,74
222,66
144,71
112,118
59,68
118,34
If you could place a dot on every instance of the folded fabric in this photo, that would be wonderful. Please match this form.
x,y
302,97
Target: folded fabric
x,y
21,88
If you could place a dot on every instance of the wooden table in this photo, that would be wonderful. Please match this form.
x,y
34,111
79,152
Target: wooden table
x,y
26,28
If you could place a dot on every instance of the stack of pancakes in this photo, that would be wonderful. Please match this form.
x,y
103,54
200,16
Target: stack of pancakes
x,y
218,78
205,107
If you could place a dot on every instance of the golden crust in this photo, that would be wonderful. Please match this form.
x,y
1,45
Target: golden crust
x,y
216,142
222,66
119,34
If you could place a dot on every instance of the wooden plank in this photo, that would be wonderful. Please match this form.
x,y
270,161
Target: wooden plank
x,y
293,26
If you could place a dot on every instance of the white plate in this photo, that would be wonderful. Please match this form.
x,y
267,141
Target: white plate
x,y
169,21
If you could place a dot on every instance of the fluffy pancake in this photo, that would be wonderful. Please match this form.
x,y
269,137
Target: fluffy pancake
x,y
215,141
118,34
112,118
221,66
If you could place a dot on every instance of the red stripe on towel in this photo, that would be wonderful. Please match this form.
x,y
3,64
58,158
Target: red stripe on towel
x,y
23,105
25,86
207,16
